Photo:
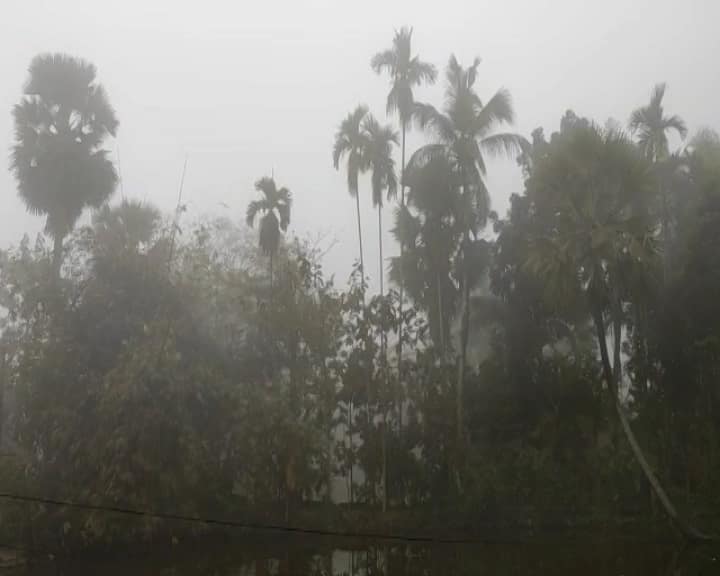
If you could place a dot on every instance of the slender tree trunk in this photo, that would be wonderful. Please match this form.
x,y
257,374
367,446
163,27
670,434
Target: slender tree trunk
x,y
612,377
3,382
271,273
57,254
441,316
382,263
352,453
383,441
383,363
362,261
464,329
665,230
402,285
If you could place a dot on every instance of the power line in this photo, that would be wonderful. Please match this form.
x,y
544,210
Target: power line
x,y
279,528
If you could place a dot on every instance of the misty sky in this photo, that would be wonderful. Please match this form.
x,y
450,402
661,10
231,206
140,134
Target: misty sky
x,y
245,88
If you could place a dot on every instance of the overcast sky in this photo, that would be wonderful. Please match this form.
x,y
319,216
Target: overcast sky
x,y
245,88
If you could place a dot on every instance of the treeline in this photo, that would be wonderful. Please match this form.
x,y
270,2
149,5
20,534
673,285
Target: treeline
x,y
563,363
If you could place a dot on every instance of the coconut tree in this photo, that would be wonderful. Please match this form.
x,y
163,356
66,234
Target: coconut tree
x,y
61,124
464,133
275,206
406,73
380,163
590,192
351,142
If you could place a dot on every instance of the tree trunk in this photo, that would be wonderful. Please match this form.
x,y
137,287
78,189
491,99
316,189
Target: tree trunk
x,y
362,261
402,286
383,442
612,378
3,382
271,273
382,264
57,254
441,316
463,346
383,364
352,457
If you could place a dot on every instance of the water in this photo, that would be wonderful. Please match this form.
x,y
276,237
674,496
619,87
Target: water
x,y
270,556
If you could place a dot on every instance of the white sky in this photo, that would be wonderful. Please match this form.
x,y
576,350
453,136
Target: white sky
x,y
243,88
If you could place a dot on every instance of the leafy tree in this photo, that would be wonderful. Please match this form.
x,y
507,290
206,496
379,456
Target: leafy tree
x,y
61,125
275,206
351,141
593,188
428,227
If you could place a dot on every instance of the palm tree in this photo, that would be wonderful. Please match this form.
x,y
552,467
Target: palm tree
x,y
380,163
592,191
275,206
463,134
406,72
61,124
351,141
651,127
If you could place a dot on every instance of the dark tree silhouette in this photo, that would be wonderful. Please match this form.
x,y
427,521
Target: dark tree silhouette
x,y
275,206
61,124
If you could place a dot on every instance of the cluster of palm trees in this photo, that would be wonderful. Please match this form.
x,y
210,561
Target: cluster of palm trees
x,y
64,119
460,135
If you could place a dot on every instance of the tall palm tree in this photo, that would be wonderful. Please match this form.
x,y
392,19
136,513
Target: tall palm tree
x,y
406,72
275,206
380,164
463,133
61,124
378,154
351,142
651,126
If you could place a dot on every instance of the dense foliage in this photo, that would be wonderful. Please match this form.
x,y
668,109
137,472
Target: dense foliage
x,y
564,366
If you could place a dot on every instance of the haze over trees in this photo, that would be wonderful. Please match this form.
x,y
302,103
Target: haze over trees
x,y
204,368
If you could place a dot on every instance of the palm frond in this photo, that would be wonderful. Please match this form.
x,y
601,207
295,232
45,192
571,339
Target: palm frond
x,y
419,72
382,61
504,144
420,158
497,110
253,209
428,117
676,123
657,95
284,206
267,186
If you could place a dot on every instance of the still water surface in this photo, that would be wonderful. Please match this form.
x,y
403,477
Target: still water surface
x,y
562,556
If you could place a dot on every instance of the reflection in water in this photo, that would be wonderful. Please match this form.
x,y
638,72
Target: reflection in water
x,y
281,557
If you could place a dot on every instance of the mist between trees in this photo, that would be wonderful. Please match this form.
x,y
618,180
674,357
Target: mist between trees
x,y
556,364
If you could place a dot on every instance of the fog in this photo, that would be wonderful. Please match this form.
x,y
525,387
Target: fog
x,y
251,89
